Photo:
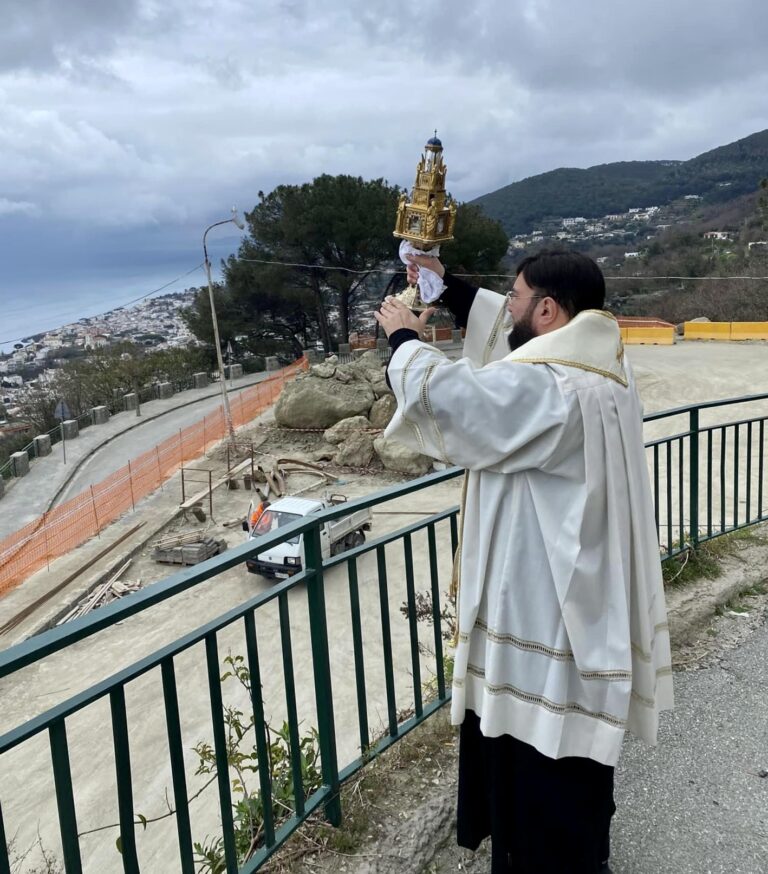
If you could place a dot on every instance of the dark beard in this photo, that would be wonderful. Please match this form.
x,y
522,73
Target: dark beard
x,y
520,334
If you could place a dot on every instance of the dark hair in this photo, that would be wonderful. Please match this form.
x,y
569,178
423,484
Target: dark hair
x,y
572,279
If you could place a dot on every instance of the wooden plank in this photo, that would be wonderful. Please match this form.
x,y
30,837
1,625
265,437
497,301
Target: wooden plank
x,y
30,608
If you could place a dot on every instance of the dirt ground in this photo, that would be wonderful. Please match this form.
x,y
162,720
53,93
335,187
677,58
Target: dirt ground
x,y
667,376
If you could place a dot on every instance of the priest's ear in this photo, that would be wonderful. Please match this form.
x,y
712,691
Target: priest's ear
x,y
550,315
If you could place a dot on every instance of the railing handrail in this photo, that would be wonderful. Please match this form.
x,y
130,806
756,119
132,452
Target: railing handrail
x,y
55,639
703,405
42,645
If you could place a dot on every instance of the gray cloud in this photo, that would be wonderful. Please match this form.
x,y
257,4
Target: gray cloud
x,y
44,34
148,118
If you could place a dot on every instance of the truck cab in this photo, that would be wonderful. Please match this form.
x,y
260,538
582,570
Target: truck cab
x,y
287,558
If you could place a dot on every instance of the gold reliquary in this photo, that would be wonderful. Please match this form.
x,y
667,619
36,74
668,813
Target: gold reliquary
x,y
428,218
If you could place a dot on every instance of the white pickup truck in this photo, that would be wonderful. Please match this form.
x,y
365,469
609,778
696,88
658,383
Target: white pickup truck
x,y
287,558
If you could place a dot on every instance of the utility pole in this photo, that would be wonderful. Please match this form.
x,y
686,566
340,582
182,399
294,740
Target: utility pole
x,y
216,340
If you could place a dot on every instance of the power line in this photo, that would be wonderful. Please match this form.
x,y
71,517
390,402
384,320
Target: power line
x,y
392,271
689,278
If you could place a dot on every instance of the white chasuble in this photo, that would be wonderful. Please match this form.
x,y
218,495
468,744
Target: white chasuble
x,y
563,640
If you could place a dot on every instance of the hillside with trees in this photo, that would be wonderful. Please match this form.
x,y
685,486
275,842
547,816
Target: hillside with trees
x,y
720,263
317,259
717,176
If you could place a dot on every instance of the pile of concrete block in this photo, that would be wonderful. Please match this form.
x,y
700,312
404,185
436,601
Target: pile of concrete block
x,y
187,549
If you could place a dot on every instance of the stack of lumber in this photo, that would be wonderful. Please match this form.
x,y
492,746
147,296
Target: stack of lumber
x,y
186,549
104,593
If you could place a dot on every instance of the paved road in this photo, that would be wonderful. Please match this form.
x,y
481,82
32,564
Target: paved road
x,y
117,452
26,499
696,803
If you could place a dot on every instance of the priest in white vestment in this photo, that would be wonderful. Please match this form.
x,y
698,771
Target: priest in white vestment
x,y
562,640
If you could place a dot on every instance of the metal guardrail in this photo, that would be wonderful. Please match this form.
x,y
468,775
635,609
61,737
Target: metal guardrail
x,y
311,579
690,508
114,405
709,479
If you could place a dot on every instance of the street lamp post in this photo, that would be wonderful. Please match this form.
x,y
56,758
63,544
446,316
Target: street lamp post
x,y
235,219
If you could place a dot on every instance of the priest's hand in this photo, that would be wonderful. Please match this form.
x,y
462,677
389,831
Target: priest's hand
x,y
428,261
394,314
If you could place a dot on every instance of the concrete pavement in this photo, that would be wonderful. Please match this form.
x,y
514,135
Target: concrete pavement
x,y
695,804
698,802
102,449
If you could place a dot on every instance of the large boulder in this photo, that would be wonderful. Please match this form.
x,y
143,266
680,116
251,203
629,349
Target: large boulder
x,y
319,403
324,370
398,457
355,451
344,429
369,361
382,411
378,381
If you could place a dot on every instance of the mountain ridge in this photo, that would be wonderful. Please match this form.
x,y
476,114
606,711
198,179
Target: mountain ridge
x,y
717,176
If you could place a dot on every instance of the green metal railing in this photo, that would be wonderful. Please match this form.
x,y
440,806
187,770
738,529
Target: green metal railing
x,y
311,579
707,480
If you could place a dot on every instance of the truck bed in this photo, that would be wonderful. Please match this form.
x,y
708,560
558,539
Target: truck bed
x,y
341,527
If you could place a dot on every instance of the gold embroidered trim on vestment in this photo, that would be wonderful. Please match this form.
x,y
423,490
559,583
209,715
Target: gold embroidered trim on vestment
x,y
562,362
426,403
408,363
493,336
541,701
666,671
563,655
456,571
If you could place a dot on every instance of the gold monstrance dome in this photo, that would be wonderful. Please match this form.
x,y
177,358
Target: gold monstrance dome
x,y
427,219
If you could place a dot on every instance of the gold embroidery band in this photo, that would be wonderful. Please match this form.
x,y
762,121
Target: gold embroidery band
x,y
621,380
427,404
562,655
493,336
540,701
414,426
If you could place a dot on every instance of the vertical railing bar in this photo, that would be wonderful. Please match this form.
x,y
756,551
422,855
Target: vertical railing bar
x,y
413,627
670,541
357,648
749,471
656,490
681,491
259,727
436,617
386,640
693,476
321,669
735,476
290,702
124,780
723,445
220,750
454,534
178,777
5,862
760,469
65,801
709,483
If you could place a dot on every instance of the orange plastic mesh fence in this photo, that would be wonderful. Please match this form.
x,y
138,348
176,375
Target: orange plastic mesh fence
x,y
65,527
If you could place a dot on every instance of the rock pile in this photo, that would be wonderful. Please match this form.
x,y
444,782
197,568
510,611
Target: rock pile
x,y
354,404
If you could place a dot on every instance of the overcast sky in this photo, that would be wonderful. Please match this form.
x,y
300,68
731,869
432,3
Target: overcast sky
x,y
126,126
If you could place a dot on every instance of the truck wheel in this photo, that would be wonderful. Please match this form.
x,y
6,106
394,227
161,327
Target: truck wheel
x,y
358,538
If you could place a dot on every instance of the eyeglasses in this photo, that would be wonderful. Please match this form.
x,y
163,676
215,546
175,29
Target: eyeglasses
x,y
513,295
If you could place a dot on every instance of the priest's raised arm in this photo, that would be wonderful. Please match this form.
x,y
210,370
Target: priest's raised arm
x,y
504,419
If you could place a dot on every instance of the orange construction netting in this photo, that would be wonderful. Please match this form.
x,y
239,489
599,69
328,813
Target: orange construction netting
x,y
65,527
